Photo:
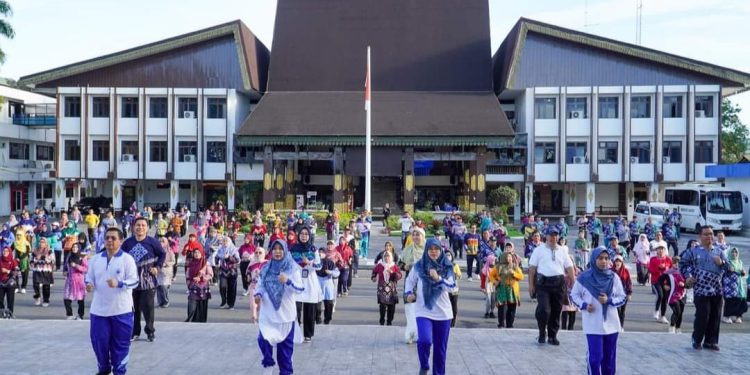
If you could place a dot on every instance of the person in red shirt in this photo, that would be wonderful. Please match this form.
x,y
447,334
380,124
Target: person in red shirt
x,y
656,267
246,251
277,234
346,254
190,247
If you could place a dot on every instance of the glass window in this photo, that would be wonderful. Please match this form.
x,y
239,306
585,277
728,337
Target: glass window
x,y
158,151
577,107
704,106
100,150
129,148
72,150
576,153
72,106
607,153
704,151
217,108
672,106
100,106
216,152
640,152
609,107
43,191
187,107
544,153
640,107
45,153
672,151
157,107
545,108
18,151
187,151
130,107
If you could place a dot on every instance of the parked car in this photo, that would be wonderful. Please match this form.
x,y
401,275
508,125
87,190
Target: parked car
x,y
99,204
654,210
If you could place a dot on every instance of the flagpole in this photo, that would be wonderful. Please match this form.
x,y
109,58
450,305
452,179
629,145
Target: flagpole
x,y
368,136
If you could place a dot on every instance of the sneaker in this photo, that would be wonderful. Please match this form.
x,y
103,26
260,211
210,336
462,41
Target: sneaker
x,y
738,320
133,338
151,337
231,308
672,330
678,331
696,346
307,340
71,318
23,290
79,318
664,320
622,330
541,340
37,301
17,290
553,341
657,315
727,320
45,304
492,315
713,347
244,294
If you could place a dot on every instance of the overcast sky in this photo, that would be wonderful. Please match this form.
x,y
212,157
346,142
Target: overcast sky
x,y
51,33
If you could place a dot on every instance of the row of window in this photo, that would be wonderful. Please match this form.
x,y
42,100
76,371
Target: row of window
x,y
186,107
607,152
20,151
187,151
545,108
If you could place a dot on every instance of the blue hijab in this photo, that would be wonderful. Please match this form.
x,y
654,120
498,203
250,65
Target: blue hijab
x,y
444,267
304,249
269,274
598,281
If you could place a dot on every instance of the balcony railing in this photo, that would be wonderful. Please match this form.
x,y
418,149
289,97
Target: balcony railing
x,y
36,115
506,169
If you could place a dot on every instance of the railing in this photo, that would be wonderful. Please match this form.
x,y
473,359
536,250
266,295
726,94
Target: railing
x,y
506,169
36,115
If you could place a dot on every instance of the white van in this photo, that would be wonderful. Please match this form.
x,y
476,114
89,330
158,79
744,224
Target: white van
x,y
654,210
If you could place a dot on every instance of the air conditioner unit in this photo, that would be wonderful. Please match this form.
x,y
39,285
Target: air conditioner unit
x,y
577,114
128,157
579,160
188,114
665,160
633,160
48,166
700,113
188,158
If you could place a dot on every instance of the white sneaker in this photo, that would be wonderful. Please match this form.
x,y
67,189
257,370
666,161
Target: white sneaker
x,y
244,294
678,331
726,320
672,330
23,290
79,318
71,318
17,290
664,320
657,315
45,304
738,320
37,301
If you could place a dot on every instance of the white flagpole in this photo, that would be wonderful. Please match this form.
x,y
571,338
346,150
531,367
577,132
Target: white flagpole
x,y
368,140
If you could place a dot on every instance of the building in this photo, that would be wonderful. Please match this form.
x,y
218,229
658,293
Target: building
x,y
27,150
607,123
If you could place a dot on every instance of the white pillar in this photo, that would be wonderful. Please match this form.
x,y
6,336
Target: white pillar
x,y
140,193
117,195
630,199
58,196
193,196
529,198
653,192
33,202
174,193
572,202
230,195
590,197
517,206
5,198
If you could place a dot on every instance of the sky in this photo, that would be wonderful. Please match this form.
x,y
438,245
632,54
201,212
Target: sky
x,y
52,33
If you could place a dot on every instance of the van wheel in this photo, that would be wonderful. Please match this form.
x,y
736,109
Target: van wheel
x,y
697,229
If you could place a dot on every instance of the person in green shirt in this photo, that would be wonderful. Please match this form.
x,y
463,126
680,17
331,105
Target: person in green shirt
x,y
582,249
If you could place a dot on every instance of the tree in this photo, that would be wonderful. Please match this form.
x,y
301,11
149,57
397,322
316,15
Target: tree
x,y
502,197
734,134
5,28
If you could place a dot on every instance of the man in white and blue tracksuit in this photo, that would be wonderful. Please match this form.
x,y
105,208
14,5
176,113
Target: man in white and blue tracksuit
x,y
112,274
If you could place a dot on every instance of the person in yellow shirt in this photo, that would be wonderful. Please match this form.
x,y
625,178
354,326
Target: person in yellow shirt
x,y
92,220
505,276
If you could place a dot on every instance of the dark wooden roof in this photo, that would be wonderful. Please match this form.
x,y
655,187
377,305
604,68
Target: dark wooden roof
x,y
431,70
224,56
539,54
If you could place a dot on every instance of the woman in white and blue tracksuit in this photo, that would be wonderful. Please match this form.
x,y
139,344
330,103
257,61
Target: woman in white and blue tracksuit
x,y
598,292
434,280
280,279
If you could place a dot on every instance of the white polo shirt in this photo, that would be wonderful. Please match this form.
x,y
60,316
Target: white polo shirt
x,y
545,265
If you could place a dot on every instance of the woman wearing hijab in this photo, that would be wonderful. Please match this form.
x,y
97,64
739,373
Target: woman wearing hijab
x,y
306,256
387,274
247,253
83,244
6,237
8,280
622,271
70,236
42,265
735,289
598,292
345,253
642,251
229,260
326,274
199,274
505,277
22,249
433,279
252,275
75,287
280,280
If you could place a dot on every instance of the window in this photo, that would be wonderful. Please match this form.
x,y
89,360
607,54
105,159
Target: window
x,y
641,151
544,153
672,151
44,191
18,151
129,148
640,107
545,108
704,151
216,152
100,106
157,107
672,106
130,107
100,150
607,153
217,108
72,106
187,151
641,209
45,153
683,197
577,107
158,151
576,153
187,105
72,150
704,106
609,107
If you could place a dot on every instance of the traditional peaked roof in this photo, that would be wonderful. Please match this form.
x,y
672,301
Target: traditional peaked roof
x,y
508,58
149,65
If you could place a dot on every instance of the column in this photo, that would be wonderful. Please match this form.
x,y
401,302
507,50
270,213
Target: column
x,y
174,193
230,195
193,196
653,192
268,188
480,169
572,202
140,193
77,191
279,184
289,185
117,196
529,198
409,180
472,182
61,204
339,180
517,206
590,197
33,202
630,199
